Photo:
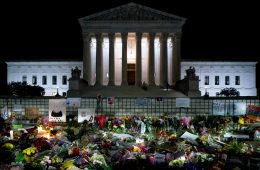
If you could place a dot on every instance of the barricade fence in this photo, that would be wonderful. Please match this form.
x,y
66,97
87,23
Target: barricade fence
x,y
121,106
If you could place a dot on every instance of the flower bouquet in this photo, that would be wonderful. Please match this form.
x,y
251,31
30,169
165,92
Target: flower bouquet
x,y
99,161
29,154
118,125
101,120
235,147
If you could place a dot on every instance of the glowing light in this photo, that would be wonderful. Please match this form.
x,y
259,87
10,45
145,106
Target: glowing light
x,y
39,129
11,134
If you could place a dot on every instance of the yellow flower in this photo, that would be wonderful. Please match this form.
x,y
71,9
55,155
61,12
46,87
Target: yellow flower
x,y
67,164
28,159
172,136
8,146
30,151
136,149
203,138
13,115
241,120
126,118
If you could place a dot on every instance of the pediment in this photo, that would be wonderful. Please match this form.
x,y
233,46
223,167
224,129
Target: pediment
x,y
132,12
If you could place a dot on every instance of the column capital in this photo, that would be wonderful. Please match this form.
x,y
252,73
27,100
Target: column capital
x,y
124,35
99,38
111,35
138,35
86,37
177,35
164,35
98,35
151,35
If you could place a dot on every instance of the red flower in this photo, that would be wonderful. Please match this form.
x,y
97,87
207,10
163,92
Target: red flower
x,y
101,120
74,151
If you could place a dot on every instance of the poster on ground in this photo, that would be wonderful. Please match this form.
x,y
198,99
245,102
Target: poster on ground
x,y
253,113
141,101
18,109
218,108
182,102
228,108
240,108
31,112
110,100
57,110
73,102
86,114
4,113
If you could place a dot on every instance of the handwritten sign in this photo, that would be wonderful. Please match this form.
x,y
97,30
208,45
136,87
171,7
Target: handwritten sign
x,y
252,109
182,102
218,108
57,110
86,114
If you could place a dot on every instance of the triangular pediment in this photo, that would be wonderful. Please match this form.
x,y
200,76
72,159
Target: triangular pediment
x,y
132,12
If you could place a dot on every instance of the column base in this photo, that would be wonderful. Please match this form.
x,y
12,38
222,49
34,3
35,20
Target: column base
x,y
98,85
124,84
138,84
152,84
111,84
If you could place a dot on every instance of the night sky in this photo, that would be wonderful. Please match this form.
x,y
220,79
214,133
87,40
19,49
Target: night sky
x,y
215,30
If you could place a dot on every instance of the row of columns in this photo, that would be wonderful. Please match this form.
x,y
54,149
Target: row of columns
x,y
151,61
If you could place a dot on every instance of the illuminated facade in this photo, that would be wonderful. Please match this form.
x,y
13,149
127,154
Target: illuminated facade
x,y
213,75
51,75
217,75
131,44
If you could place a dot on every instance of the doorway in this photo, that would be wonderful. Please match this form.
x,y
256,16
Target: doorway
x,y
131,74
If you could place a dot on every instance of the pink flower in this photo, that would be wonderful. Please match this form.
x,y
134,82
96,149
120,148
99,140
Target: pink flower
x,y
152,160
185,121
143,148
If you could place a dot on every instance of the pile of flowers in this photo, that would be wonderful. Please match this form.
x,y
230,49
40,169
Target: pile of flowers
x,y
118,142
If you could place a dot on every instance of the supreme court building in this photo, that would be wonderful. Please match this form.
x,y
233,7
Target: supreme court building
x,y
131,44
127,46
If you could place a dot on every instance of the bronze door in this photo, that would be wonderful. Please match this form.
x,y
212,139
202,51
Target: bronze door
x,y
131,74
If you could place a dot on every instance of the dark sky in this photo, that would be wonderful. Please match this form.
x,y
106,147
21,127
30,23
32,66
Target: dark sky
x,y
215,29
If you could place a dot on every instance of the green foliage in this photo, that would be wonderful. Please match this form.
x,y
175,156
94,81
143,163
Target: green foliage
x,y
229,92
34,166
235,147
22,89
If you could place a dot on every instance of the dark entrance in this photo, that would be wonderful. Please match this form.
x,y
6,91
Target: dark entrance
x,y
131,74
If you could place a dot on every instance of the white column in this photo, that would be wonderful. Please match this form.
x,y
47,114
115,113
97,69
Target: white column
x,y
151,60
86,58
138,71
99,77
170,59
176,58
163,60
111,37
124,59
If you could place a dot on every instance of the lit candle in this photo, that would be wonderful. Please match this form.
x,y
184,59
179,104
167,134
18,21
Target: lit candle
x,y
39,129
48,136
11,134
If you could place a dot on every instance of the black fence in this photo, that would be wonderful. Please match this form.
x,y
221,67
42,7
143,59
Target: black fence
x,y
120,106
